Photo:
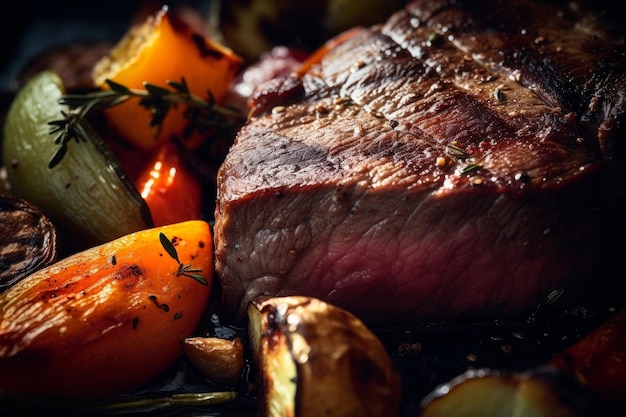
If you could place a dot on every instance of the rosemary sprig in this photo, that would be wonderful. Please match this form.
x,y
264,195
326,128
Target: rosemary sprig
x,y
202,115
185,270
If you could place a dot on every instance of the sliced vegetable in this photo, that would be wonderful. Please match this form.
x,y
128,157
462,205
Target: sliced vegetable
x,y
164,48
171,189
586,379
538,392
86,194
315,359
598,360
220,360
106,320
28,240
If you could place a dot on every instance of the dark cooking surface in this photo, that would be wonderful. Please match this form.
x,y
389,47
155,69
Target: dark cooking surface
x,y
425,355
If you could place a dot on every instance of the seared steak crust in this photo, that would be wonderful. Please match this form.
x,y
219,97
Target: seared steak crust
x,y
453,161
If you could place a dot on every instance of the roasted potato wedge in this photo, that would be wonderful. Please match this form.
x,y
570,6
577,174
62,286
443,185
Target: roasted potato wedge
x,y
538,392
315,359
588,378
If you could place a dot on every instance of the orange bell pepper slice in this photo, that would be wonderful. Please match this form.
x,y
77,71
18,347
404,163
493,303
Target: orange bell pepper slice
x,y
164,48
107,320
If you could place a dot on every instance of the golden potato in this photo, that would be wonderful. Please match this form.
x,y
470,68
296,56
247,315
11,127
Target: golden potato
x,y
315,359
538,392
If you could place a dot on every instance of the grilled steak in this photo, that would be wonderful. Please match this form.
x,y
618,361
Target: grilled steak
x,y
456,161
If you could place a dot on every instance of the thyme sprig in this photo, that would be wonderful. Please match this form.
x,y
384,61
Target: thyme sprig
x,y
183,269
203,115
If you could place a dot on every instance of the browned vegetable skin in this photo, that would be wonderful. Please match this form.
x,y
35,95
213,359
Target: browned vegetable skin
x,y
315,359
87,194
105,321
220,360
586,379
598,361
538,392
28,240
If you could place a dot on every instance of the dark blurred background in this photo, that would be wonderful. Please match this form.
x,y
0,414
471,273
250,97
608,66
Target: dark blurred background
x,y
249,27
32,27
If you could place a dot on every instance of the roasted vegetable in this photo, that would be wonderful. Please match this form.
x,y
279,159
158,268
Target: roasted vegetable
x,y
598,361
253,27
28,240
315,359
220,360
161,49
538,392
171,189
586,379
106,320
86,194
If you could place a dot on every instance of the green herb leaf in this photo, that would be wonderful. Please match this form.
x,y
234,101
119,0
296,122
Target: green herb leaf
x,y
57,157
185,270
470,167
181,87
155,90
117,87
455,151
169,248
198,278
